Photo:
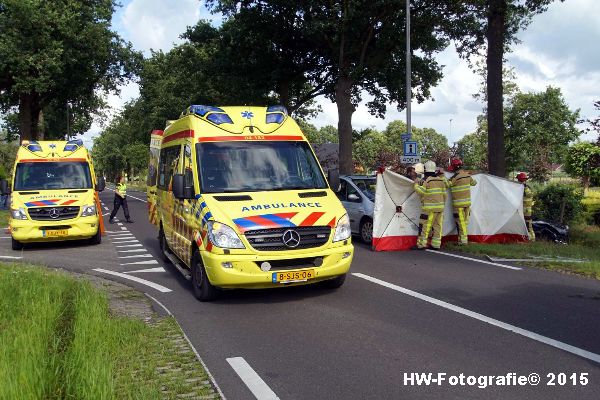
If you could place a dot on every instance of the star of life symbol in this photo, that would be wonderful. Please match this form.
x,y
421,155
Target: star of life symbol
x,y
52,146
247,114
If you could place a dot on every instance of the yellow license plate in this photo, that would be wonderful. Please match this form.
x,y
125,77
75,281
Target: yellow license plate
x,y
55,232
290,276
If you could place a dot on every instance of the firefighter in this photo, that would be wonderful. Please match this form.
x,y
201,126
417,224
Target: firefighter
x,y
120,200
460,187
433,195
527,204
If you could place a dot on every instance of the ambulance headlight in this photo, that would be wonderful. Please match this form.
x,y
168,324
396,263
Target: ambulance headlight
x,y
223,236
18,214
342,230
88,211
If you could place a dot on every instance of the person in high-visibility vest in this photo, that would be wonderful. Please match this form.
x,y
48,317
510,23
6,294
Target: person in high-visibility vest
x,y
460,187
433,195
120,200
527,205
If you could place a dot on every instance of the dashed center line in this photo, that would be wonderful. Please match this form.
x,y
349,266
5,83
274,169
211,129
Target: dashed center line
x,y
257,386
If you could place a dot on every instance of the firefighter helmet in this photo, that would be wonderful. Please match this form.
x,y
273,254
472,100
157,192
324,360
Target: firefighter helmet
x,y
456,163
522,177
430,166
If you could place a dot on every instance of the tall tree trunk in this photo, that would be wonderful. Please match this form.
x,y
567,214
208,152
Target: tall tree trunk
x,y
284,94
495,109
41,126
29,114
343,99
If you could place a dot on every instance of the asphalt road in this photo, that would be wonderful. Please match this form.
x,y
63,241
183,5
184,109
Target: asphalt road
x,y
398,313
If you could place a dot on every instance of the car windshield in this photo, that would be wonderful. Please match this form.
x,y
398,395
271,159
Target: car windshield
x,y
367,186
258,166
52,175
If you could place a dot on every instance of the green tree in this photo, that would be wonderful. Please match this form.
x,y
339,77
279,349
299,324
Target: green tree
x,y
432,145
583,161
136,156
491,26
351,46
57,52
472,148
539,128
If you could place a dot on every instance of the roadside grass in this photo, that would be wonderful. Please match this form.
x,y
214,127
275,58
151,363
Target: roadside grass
x,y
584,244
59,340
3,218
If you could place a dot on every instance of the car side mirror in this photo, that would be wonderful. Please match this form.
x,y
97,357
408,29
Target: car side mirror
x,y
333,177
180,190
354,198
100,184
4,187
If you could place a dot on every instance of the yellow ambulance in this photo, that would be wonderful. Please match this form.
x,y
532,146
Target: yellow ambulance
x,y
242,202
53,194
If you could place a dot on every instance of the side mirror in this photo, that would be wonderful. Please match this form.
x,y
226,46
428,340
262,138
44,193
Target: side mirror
x,y
333,177
100,184
180,190
354,198
4,187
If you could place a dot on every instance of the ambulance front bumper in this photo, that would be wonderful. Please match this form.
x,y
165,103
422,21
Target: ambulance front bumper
x,y
244,271
43,231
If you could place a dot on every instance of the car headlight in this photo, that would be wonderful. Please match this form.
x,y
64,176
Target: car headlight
x,y
18,214
342,230
224,236
88,211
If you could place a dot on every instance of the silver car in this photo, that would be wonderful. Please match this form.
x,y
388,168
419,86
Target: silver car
x,y
357,194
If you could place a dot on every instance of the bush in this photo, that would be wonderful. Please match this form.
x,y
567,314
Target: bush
x,y
550,199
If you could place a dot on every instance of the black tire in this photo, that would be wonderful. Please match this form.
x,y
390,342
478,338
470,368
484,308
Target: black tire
x,y
16,245
203,289
97,238
164,246
334,283
366,230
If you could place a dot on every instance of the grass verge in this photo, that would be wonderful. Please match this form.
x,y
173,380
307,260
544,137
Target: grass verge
x,y
59,340
3,218
584,244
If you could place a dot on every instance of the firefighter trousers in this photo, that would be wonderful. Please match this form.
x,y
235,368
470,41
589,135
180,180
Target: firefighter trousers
x,y
120,201
529,222
432,220
461,217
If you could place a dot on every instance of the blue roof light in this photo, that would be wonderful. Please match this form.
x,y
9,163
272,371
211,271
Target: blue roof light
x,y
70,147
277,109
34,147
275,118
78,142
219,119
202,110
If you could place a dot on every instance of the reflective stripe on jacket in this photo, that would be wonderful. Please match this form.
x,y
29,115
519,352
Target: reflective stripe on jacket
x,y
527,198
122,189
433,193
460,186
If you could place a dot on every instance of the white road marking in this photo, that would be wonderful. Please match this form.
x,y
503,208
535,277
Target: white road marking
x,y
257,386
105,214
532,335
120,224
11,257
129,245
124,235
138,256
141,262
157,269
153,285
474,259
123,228
5,237
113,231
130,251
193,348
106,208
125,241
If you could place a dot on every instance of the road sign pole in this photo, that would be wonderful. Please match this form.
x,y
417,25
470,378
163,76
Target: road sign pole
x,y
408,83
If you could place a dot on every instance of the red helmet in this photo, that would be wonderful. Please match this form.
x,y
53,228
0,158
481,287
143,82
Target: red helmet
x,y
456,163
522,177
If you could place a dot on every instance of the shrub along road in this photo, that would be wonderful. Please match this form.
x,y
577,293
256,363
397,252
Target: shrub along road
x,y
397,314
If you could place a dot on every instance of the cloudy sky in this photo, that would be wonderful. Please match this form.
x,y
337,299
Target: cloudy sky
x,y
559,48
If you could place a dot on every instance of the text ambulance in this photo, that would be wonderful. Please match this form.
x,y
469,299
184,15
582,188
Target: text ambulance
x,y
54,194
241,202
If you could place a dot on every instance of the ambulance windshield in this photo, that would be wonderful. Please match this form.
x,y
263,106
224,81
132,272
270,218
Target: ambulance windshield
x,y
52,175
258,166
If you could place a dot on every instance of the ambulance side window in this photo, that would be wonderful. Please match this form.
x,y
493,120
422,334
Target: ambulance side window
x,y
167,165
187,166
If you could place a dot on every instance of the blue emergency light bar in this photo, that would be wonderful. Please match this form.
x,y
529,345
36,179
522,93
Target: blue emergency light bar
x,y
73,145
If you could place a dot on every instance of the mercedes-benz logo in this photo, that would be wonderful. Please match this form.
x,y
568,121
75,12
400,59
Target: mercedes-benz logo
x,y
291,238
54,213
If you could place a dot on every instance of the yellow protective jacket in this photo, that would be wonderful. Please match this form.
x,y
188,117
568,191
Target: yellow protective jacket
x,y
433,193
460,187
527,199
122,189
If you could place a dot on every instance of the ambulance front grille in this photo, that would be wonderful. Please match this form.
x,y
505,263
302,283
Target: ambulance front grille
x,y
272,239
53,213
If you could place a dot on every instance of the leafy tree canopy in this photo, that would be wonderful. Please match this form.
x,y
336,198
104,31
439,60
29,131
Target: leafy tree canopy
x,y
583,161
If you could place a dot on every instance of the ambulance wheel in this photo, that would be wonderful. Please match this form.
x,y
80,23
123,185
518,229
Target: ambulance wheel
x,y
334,283
16,245
366,230
164,246
203,289
97,238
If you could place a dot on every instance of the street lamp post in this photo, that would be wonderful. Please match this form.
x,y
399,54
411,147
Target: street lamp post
x,y
450,133
408,72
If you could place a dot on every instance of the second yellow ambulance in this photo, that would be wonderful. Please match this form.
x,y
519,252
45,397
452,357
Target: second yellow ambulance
x,y
240,201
